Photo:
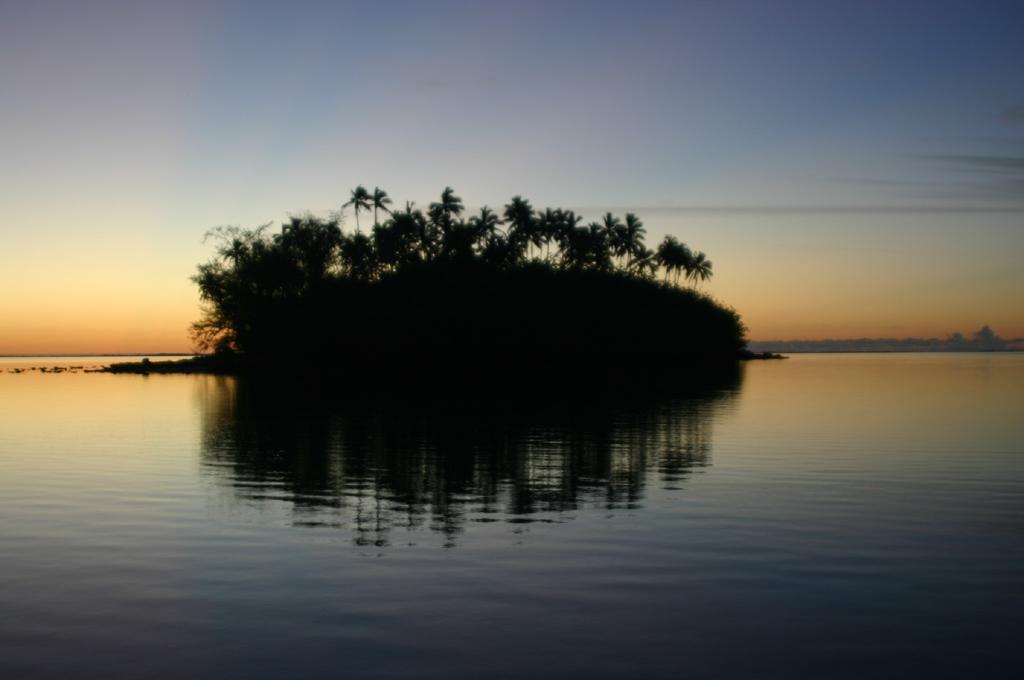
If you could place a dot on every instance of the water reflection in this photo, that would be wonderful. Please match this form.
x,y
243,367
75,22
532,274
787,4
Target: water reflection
x,y
385,470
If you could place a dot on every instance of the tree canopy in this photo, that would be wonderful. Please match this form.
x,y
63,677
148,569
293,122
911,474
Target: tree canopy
x,y
266,293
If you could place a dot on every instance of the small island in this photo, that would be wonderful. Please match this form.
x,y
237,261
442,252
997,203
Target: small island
x,y
527,295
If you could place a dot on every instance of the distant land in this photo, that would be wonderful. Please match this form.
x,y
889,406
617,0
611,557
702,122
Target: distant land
x,y
983,340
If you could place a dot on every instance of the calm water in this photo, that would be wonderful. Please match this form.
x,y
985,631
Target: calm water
x,y
829,516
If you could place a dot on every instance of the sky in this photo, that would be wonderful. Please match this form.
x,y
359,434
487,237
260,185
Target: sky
x,y
852,169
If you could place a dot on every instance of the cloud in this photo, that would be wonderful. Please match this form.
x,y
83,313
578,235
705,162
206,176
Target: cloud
x,y
1001,164
998,177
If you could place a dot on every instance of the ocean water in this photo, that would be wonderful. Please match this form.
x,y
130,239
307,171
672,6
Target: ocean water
x,y
826,516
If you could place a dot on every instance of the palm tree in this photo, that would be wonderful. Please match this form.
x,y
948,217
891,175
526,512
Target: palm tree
x,y
700,268
564,232
359,200
665,255
457,242
547,229
614,235
633,237
448,207
380,202
485,224
435,227
600,245
576,247
675,257
644,263
519,216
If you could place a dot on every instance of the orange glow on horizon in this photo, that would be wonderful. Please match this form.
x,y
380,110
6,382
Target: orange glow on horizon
x,y
859,277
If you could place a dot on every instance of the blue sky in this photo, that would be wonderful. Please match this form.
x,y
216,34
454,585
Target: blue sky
x,y
777,136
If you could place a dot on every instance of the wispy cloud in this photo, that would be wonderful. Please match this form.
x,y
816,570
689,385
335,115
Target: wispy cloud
x,y
985,176
999,164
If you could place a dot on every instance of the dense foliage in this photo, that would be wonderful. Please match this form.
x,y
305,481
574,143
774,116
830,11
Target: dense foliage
x,y
528,288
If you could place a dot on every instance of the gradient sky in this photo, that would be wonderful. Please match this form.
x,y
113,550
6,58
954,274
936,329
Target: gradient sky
x,y
852,168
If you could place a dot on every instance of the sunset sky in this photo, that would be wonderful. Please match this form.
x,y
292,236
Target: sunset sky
x,y
852,169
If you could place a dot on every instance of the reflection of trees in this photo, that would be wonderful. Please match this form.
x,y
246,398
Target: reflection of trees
x,y
375,469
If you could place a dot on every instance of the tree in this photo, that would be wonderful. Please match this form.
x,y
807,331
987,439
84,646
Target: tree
x,y
448,207
601,244
519,216
614,235
564,231
387,243
699,269
409,232
576,247
380,202
458,240
498,252
359,255
260,286
633,238
644,263
548,225
675,257
311,244
484,225
359,200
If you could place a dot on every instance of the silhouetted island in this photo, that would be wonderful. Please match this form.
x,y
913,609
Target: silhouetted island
x,y
530,295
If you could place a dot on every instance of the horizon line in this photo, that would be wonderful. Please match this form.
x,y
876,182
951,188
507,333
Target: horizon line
x,y
58,355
